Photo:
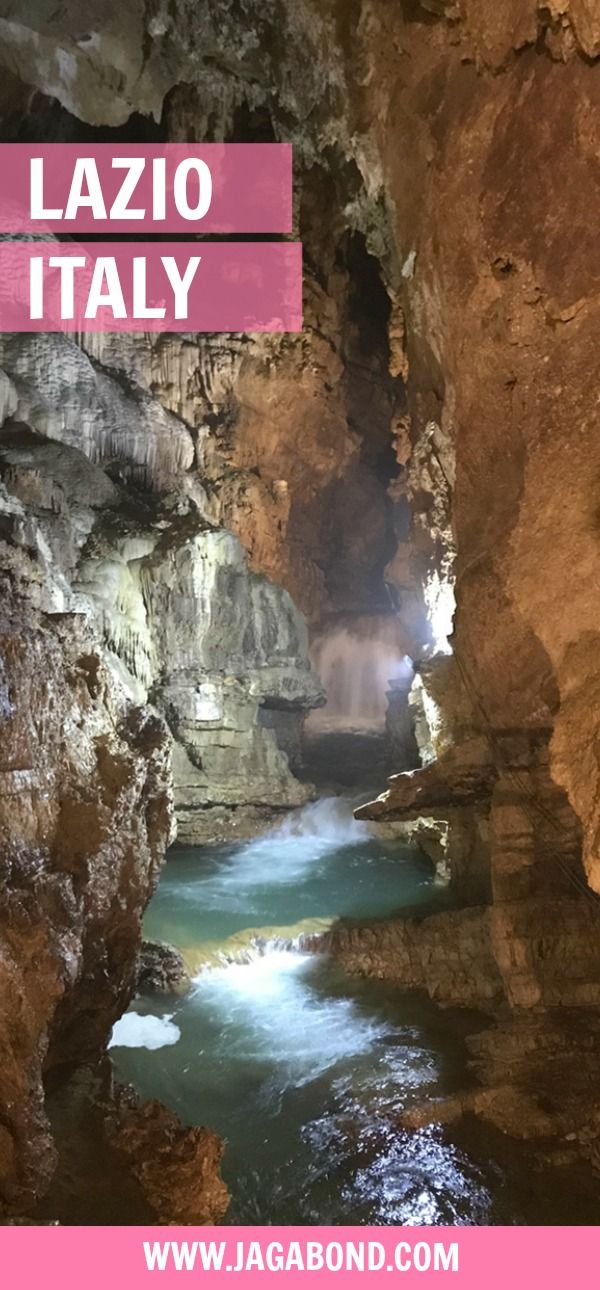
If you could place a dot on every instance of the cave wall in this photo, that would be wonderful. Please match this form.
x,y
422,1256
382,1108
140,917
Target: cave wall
x,y
106,483
500,138
75,758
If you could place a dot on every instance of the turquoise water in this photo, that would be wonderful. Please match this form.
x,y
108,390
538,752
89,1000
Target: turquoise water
x,y
319,864
301,1069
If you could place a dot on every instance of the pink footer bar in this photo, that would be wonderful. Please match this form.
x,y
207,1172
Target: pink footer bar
x,y
473,1258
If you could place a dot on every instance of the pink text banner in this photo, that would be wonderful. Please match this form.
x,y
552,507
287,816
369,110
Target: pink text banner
x,y
150,286
464,1258
149,188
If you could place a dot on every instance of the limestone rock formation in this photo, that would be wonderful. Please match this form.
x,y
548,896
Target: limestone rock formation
x,y
176,1168
121,1158
182,618
540,925
536,1074
75,758
449,955
161,969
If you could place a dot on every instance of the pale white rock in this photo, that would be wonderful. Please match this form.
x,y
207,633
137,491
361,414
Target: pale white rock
x,y
107,460
62,396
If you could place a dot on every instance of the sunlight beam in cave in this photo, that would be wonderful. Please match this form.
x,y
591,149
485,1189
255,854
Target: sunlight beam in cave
x,y
441,604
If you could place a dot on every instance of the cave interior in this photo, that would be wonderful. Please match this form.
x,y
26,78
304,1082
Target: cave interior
x,y
243,575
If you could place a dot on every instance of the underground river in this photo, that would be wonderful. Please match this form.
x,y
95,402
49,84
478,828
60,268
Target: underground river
x,y
300,1068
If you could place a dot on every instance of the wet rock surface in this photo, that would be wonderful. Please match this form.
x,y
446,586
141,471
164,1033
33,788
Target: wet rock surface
x,y
179,616
175,1167
536,1083
449,955
123,1158
75,757
161,969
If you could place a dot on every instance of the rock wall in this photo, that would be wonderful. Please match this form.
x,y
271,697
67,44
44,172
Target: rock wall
x,y
104,483
448,955
75,758
500,301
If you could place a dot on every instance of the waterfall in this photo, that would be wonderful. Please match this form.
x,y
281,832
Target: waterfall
x,y
358,662
273,1004
282,857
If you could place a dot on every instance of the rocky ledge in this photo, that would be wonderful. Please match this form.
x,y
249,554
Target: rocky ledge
x,y
161,969
175,1167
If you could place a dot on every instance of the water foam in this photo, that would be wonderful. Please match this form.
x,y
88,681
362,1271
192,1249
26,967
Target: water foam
x,y
271,1010
283,856
136,1031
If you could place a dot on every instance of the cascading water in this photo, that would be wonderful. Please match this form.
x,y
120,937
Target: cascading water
x,y
302,1070
358,662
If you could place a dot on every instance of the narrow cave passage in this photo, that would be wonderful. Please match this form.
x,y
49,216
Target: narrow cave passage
x,y
315,1079
308,1075
302,1071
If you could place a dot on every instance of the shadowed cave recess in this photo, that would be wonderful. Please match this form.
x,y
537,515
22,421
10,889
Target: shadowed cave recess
x,y
318,615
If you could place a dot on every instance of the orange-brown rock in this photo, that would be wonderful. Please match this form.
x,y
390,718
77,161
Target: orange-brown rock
x,y
176,1167
84,820
448,954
